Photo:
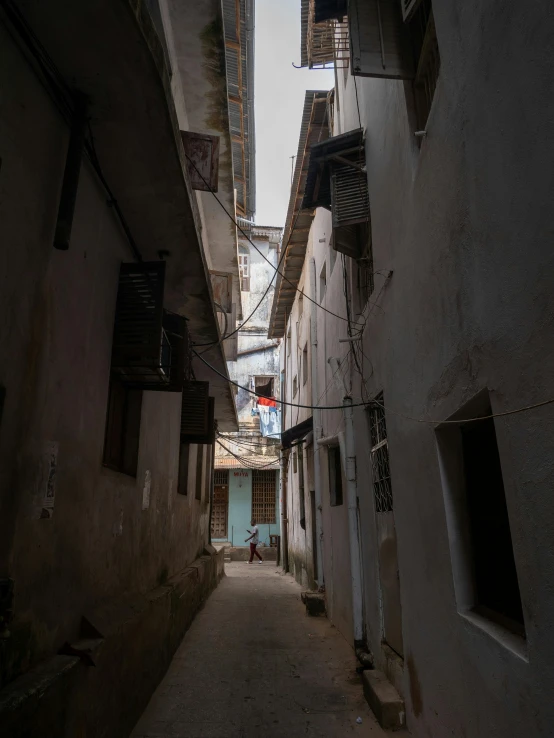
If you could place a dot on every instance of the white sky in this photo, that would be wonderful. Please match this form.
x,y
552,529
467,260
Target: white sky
x,y
279,100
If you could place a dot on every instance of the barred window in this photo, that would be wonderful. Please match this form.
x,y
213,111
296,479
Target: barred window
x,y
264,495
382,490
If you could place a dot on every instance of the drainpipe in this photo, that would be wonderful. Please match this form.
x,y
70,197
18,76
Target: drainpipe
x,y
352,494
283,468
317,430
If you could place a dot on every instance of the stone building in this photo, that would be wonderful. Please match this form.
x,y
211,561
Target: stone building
x,y
119,120
419,234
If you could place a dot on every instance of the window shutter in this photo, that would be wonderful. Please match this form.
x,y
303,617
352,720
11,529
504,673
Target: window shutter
x,y
197,413
176,331
379,39
141,353
349,196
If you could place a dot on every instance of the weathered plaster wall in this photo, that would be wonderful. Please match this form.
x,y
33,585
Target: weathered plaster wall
x,y
254,334
107,536
464,223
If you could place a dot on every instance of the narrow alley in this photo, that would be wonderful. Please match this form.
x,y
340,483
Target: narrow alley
x,y
277,281
254,664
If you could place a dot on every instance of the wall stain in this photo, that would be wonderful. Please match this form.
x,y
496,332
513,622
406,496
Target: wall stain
x,y
415,687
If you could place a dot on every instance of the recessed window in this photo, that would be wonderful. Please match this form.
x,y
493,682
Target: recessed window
x,y
426,52
322,282
477,514
380,466
199,471
295,385
264,386
121,443
335,476
294,462
184,454
305,364
288,342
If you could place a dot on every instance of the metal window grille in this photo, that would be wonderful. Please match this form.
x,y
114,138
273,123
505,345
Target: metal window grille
x,y
221,476
382,489
263,496
424,37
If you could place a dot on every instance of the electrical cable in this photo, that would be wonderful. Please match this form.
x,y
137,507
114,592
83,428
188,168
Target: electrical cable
x,y
280,402
246,461
233,220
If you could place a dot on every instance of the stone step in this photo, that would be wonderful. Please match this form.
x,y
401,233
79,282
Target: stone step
x,y
384,700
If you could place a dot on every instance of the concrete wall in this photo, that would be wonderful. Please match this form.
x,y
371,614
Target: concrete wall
x,y
464,225
110,533
240,509
67,698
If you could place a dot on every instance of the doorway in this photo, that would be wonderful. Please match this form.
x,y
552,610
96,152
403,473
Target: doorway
x,y
220,512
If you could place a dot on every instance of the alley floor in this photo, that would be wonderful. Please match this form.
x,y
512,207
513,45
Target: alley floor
x,y
254,664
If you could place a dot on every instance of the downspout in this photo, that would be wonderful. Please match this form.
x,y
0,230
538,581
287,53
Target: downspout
x,y
317,430
352,495
283,464
212,487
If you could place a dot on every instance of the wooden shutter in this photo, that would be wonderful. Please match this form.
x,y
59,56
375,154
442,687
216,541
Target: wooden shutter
x,y
202,151
380,42
139,340
349,196
176,332
197,413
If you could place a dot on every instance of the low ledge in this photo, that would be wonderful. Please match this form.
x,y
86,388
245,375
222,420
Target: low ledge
x,y
384,700
130,641
315,603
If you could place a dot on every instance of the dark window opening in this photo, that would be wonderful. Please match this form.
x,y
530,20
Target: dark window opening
x,y
199,469
380,465
305,364
121,444
184,454
335,477
496,582
427,59
264,386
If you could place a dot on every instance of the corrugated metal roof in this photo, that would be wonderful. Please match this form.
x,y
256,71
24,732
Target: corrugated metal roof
x,y
314,128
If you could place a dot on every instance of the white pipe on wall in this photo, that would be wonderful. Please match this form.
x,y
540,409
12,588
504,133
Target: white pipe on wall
x,y
317,429
352,496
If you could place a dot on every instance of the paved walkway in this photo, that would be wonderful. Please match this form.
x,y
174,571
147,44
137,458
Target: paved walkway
x,y
253,665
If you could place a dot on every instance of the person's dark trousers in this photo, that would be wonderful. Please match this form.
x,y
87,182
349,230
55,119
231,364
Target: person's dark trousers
x,y
253,552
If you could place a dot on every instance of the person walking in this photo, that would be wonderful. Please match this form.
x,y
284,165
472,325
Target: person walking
x,y
254,540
